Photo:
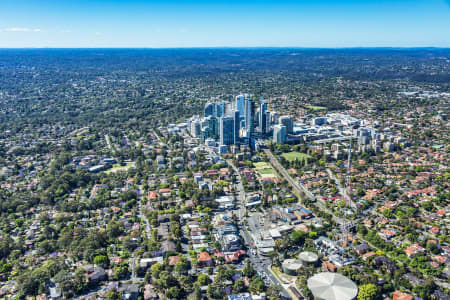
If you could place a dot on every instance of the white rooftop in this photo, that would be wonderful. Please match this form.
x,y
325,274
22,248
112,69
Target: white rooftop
x,y
332,286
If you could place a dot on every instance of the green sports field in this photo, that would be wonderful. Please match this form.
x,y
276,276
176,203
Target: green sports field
x,y
316,108
292,156
265,170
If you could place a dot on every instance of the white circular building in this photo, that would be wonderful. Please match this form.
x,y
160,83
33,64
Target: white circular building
x,y
332,286
291,266
308,258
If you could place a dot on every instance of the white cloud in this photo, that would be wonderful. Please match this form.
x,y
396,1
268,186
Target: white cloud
x,y
22,29
98,33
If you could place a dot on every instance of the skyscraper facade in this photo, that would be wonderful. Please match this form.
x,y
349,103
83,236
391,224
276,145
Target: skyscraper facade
x,y
213,128
288,122
227,131
196,128
219,109
249,115
237,126
262,116
239,104
268,117
209,110
228,109
279,133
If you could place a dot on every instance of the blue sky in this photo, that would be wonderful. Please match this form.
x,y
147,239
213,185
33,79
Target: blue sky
x,y
245,23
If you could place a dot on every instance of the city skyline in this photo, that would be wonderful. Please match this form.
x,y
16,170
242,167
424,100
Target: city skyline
x,y
174,24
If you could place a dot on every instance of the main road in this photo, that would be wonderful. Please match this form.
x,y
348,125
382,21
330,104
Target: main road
x,y
261,265
240,187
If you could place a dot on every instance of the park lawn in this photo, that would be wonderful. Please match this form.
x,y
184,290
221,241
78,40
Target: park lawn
x,y
292,156
261,165
118,167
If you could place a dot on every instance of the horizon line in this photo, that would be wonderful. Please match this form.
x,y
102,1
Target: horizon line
x,y
231,47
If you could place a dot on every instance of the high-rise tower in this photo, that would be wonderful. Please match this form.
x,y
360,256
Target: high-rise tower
x,y
226,130
279,133
239,104
209,110
249,115
237,126
262,116
219,109
288,122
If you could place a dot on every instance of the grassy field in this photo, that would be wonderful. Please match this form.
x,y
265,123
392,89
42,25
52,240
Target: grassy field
x,y
118,167
262,165
265,170
292,156
316,108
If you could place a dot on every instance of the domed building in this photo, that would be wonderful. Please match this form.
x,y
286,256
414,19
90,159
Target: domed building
x,y
291,266
332,286
308,258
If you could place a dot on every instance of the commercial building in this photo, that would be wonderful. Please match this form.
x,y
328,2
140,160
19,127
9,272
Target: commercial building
x,y
219,109
268,122
339,118
196,128
262,116
225,202
239,104
279,133
222,149
212,130
227,235
288,122
319,121
332,286
236,127
209,109
227,132
231,242
249,112
228,109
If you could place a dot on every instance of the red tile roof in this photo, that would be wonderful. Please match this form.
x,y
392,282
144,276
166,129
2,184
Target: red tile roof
x,y
203,257
401,296
152,195
173,260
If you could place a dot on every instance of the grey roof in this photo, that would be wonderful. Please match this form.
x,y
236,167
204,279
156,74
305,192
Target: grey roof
x,y
362,247
332,286
168,246
308,256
